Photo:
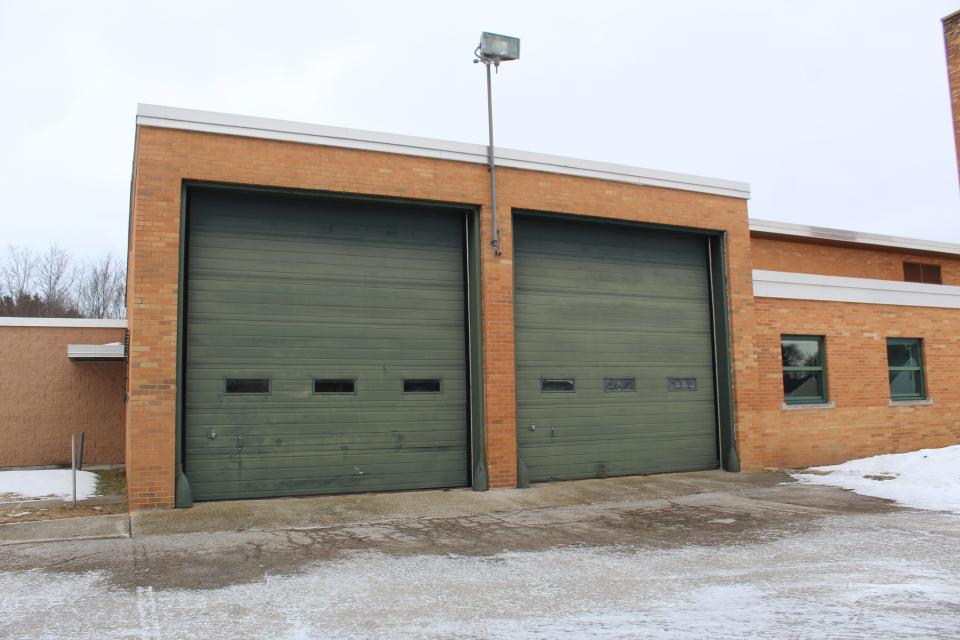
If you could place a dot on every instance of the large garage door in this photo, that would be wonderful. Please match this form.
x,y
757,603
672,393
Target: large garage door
x,y
614,350
325,347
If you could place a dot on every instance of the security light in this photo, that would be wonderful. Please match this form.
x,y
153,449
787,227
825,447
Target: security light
x,y
492,50
497,48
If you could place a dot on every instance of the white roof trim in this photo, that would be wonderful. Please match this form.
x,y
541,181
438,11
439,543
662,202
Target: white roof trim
x,y
270,129
807,286
112,351
73,323
856,237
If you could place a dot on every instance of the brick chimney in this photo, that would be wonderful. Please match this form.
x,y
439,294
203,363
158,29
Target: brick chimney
x,y
951,36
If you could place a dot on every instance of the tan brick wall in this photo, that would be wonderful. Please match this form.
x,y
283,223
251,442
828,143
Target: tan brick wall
x,y
45,397
951,36
164,158
863,423
778,254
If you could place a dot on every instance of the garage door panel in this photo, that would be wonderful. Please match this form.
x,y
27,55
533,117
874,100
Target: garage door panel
x,y
248,355
577,468
596,301
294,290
281,440
281,223
685,282
323,463
266,488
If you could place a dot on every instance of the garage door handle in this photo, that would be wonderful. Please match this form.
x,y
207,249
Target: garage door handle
x,y
239,444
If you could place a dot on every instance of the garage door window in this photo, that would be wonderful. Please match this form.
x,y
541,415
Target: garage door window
x,y
804,369
334,385
558,385
615,385
246,385
421,385
905,361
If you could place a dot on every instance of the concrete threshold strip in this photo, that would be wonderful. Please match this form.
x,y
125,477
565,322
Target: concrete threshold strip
x,y
96,527
742,494
66,529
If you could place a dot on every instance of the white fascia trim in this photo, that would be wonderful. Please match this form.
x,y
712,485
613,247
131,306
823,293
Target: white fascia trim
x,y
806,286
73,323
112,351
270,129
853,237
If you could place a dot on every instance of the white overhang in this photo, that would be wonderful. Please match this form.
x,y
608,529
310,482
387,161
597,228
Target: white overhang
x,y
807,286
270,129
67,323
96,352
852,237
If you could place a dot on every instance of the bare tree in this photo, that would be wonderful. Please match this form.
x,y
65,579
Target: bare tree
x,y
55,278
101,289
51,285
18,272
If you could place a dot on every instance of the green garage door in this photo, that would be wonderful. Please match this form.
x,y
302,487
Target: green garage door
x,y
325,346
614,350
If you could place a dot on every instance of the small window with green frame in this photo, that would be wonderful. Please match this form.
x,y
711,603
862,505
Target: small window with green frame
x,y
804,369
905,362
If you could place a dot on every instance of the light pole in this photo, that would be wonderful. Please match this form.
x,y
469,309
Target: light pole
x,y
492,50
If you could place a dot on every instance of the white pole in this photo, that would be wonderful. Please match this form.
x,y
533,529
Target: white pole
x,y
73,465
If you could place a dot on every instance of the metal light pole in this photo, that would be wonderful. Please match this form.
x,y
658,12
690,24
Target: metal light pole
x,y
492,50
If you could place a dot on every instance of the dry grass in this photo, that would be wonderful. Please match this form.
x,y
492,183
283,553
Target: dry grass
x,y
111,482
24,512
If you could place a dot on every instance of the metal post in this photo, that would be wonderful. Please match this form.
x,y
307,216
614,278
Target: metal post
x,y
73,465
491,166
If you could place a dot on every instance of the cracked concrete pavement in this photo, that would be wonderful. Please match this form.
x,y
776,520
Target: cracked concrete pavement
x,y
218,548
223,543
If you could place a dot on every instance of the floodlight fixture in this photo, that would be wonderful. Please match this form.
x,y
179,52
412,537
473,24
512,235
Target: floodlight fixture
x,y
492,50
498,48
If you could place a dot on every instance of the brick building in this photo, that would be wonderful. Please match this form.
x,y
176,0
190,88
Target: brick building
x,y
63,376
317,310
320,310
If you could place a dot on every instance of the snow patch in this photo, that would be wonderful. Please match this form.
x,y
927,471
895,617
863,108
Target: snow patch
x,y
886,577
925,479
46,483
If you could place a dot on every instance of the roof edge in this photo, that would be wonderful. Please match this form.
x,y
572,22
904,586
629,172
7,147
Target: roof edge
x,y
73,323
306,133
851,237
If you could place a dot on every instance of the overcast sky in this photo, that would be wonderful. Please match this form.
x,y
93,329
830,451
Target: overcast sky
x,y
837,113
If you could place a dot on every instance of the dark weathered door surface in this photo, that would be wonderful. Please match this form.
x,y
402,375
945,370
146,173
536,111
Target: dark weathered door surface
x,y
325,347
614,350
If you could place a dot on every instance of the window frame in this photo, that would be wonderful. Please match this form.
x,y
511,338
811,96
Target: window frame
x,y
926,270
610,379
919,369
239,394
334,393
572,379
411,380
822,345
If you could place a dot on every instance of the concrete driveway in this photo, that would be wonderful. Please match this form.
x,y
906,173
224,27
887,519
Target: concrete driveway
x,y
678,556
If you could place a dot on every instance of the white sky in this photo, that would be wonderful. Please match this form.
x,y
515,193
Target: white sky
x,y
837,113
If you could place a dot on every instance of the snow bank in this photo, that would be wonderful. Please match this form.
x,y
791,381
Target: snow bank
x,y
44,483
925,479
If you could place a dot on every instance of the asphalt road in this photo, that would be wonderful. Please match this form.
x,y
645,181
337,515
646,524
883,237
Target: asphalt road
x,y
686,556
